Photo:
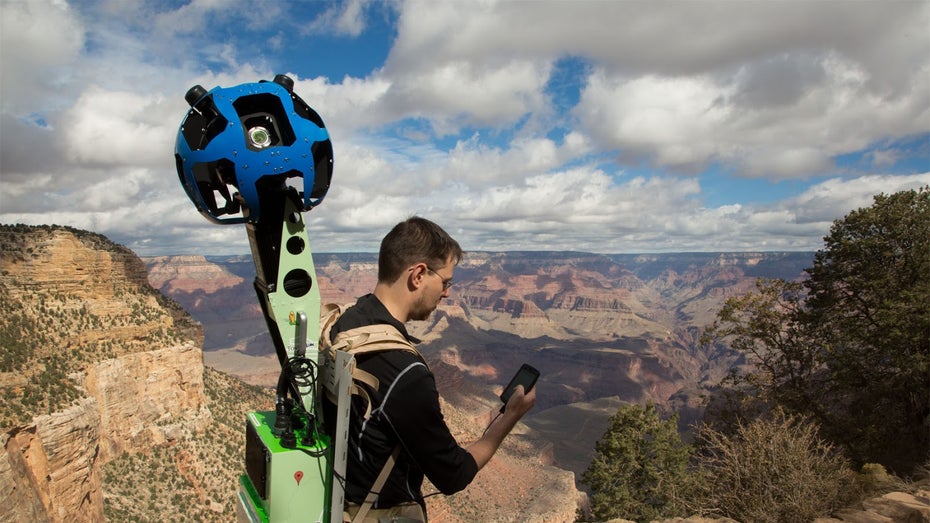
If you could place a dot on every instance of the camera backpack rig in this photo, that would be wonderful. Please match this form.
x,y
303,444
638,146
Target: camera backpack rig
x,y
257,154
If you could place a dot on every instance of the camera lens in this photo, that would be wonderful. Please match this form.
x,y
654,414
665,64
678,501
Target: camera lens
x,y
259,137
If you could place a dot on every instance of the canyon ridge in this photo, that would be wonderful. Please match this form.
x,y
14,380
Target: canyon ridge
x,y
126,380
602,329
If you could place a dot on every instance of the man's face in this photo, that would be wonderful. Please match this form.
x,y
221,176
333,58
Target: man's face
x,y
436,286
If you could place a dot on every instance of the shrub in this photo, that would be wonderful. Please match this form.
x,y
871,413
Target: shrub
x,y
773,470
639,470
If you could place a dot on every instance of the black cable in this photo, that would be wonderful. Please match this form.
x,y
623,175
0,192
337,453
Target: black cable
x,y
341,479
491,423
302,372
431,494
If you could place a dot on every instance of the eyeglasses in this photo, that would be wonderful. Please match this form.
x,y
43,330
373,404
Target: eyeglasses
x,y
445,283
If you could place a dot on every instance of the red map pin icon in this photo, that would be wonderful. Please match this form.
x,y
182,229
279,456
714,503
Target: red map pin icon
x,y
298,476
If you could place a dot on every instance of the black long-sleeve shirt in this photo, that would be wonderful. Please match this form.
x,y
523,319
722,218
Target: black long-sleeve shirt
x,y
405,411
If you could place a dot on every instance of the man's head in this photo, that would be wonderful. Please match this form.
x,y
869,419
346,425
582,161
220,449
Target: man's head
x,y
413,241
424,255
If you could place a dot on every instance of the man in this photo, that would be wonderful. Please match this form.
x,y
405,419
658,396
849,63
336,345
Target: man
x,y
415,269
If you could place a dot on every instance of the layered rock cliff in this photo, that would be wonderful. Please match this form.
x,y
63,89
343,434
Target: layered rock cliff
x,y
50,469
223,299
95,364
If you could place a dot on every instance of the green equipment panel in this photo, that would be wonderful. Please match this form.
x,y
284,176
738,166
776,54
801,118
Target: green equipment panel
x,y
299,477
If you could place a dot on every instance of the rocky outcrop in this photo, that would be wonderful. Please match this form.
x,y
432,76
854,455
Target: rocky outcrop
x,y
54,466
104,364
50,469
148,398
188,274
895,507
67,261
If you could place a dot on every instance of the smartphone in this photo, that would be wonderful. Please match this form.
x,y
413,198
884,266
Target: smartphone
x,y
526,376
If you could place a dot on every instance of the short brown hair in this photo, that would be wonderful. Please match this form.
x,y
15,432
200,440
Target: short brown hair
x,y
412,241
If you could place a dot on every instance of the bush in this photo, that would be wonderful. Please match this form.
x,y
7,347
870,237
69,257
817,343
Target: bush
x,y
639,470
773,470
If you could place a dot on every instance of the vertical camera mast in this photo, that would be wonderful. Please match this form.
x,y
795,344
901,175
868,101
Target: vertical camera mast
x,y
257,154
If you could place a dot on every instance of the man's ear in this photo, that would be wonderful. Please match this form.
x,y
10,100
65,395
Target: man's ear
x,y
416,275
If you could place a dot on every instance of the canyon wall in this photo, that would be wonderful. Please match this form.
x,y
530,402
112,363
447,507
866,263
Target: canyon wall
x,y
96,364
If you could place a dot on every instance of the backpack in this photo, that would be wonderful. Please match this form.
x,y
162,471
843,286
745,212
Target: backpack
x,y
339,355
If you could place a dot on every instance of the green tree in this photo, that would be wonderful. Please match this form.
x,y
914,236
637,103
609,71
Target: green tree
x,y
850,345
639,470
869,305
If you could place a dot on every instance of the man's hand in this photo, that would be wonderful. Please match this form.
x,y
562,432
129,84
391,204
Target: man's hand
x,y
517,406
519,403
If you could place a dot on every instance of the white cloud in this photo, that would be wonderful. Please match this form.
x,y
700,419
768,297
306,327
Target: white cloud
x,y
834,198
39,42
458,125
346,18
782,161
777,90
121,128
672,121
476,165
193,17
462,93
884,158
351,105
689,122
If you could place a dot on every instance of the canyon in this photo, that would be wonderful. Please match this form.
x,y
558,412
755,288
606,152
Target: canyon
x,y
602,329
96,365
120,372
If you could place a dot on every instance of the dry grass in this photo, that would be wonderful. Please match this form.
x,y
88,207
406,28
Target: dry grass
x,y
774,470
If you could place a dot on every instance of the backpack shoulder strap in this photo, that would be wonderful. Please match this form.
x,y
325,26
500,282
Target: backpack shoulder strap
x,y
375,489
373,338
329,313
364,340
361,340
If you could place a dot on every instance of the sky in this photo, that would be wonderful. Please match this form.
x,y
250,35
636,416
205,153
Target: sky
x,y
595,126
